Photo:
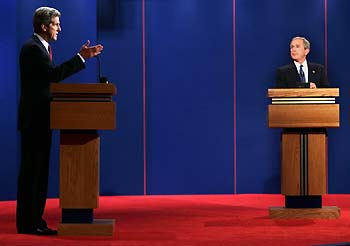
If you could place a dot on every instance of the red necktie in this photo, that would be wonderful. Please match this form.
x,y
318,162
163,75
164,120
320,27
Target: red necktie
x,y
50,52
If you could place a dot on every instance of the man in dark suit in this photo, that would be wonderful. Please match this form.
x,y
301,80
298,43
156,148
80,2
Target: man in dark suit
x,y
37,71
301,73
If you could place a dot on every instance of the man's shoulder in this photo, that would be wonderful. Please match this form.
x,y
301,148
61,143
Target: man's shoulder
x,y
286,67
317,65
33,41
31,45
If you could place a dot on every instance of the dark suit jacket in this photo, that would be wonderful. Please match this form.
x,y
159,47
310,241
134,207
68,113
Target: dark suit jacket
x,y
288,76
37,72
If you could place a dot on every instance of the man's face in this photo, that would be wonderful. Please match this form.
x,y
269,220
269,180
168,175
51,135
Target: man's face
x,y
297,50
53,29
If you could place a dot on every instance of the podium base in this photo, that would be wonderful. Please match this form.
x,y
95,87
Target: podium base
x,y
326,212
99,227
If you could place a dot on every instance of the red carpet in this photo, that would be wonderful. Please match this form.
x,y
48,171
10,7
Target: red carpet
x,y
192,220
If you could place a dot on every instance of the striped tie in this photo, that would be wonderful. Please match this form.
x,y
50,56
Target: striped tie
x,y
301,74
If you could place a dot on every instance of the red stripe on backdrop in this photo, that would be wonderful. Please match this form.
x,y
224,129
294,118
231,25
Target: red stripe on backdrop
x,y
326,34
326,68
144,99
234,98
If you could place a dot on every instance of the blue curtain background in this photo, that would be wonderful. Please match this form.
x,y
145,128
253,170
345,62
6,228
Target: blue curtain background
x,y
205,65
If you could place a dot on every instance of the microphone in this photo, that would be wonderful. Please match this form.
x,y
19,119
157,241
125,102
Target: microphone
x,y
101,79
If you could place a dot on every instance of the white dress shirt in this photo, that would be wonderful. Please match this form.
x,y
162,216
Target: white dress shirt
x,y
305,69
46,44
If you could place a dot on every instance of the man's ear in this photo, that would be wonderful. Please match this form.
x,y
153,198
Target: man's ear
x,y
307,51
43,27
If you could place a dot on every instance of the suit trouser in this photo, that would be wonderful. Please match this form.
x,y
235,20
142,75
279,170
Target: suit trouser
x,y
33,178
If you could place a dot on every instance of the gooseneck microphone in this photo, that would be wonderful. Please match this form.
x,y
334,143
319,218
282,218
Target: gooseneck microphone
x,y
101,79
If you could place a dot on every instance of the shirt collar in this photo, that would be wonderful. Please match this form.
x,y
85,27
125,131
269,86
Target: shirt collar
x,y
43,41
297,64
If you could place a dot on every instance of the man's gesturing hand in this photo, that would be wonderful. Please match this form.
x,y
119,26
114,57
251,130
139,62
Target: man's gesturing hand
x,y
87,51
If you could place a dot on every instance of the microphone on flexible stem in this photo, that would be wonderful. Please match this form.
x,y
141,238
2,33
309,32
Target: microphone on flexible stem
x,y
101,79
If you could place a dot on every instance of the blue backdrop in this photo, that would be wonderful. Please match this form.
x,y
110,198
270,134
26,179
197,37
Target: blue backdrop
x,y
189,96
264,30
185,70
338,67
9,152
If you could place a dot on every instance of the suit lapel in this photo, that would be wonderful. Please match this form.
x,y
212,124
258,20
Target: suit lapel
x,y
40,44
293,73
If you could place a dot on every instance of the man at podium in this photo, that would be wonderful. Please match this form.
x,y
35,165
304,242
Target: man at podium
x,y
304,146
301,73
37,71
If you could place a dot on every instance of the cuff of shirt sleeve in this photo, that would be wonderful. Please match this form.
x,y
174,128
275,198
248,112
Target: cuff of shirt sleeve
x,y
81,57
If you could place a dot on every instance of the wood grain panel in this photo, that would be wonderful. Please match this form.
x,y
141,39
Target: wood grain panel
x,y
321,92
326,212
303,116
317,163
83,115
79,170
93,88
290,164
97,228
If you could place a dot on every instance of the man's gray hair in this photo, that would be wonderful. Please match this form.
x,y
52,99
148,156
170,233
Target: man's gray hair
x,y
305,41
44,15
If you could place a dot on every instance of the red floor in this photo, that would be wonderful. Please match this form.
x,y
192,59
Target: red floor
x,y
192,220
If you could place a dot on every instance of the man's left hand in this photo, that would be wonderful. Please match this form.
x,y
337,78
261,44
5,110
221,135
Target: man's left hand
x,y
313,85
87,51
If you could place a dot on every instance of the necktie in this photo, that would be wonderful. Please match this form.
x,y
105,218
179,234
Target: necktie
x,y
50,52
301,74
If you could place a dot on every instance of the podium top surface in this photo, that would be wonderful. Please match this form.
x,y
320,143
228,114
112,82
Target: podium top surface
x,y
304,92
93,88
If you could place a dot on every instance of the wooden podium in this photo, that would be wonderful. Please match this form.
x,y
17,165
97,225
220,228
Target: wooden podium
x,y
78,111
304,115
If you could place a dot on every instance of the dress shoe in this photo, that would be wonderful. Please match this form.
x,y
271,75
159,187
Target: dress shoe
x,y
45,231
